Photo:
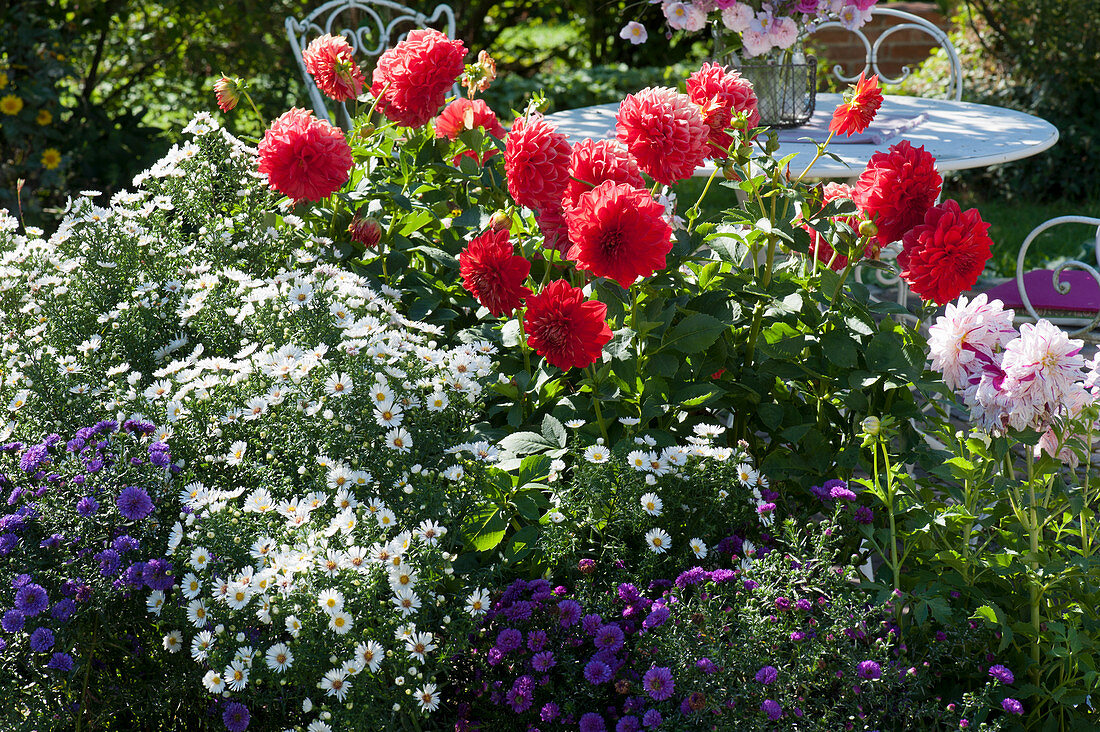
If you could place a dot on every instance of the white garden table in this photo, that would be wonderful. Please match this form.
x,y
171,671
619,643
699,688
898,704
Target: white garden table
x,y
959,135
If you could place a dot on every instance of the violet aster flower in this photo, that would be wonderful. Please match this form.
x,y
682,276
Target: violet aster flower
x,y
658,683
772,709
628,723
609,638
864,515
31,599
591,623
125,543
63,609
87,505
34,457
1012,706
693,576
60,662
536,640
842,493
706,665
134,504
597,672
543,661
569,612
767,675
1002,674
652,718
12,622
592,722
720,576
521,695
236,717
656,618
41,640
869,670
109,562
549,712
509,640
159,455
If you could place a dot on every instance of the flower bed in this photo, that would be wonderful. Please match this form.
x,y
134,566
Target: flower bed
x,y
417,427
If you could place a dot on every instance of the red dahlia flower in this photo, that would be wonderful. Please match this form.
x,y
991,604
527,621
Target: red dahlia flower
x,y
897,188
330,61
493,273
555,231
411,79
665,132
468,114
618,231
227,92
943,257
594,162
818,244
304,158
564,327
860,107
722,93
536,161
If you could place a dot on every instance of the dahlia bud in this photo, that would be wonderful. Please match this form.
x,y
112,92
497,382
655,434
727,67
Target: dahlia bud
x,y
365,230
366,130
480,75
867,229
872,426
228,92
500,221
729,171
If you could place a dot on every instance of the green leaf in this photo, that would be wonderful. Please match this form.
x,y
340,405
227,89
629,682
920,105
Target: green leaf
x,y
525,443
694,333
771,415
486,530
839,348
554,431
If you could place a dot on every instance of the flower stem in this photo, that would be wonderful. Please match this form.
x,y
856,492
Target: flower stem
x,y
817,156
263,123
596,405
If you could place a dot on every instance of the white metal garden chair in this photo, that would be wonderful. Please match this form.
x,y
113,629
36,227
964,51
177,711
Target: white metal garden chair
x,y
379,24
1067,295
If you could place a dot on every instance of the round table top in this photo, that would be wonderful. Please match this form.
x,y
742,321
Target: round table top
x,y
959,135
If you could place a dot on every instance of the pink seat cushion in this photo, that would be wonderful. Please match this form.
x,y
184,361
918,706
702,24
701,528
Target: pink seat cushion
x,y
1083,296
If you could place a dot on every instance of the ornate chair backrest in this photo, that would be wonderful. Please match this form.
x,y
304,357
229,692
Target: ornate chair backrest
x,y
375,26
905,22
1062,287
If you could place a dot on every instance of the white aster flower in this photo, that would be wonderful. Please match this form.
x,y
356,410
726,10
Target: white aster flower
x,y
659,541
370,655
279,658
213,682
699,548
335,683
340,622
428,698
652,504
173,641
330,601
597,454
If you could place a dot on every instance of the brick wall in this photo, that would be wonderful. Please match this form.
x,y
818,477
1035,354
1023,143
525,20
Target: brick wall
x,y
839,46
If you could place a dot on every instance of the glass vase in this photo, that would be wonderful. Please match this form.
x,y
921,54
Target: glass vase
x,y
785,80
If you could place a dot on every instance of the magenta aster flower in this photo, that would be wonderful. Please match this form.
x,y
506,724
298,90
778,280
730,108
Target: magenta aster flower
x,y
658,683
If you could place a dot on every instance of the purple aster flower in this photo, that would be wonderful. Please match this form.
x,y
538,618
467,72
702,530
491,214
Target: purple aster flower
x,y
31,599
592,722
134,504
34,457
597,672
628,723
586,566
12,622
1002,674
652,718
767,675
782,603
804,605
656,618
60,662
720,576
772,709
628,593
706,665
41,640
159,455
798,636
842,493
63,609
7,543
591,623
157,575
569,612
125,543
693,576
236,717
864,515
609,638
869,670
87,505
536,640
658,683
494,656
751,585
549,712
1012,706
509,640
109,562
521,695
543,661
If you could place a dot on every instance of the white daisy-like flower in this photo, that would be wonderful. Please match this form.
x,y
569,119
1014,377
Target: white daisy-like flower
x,y
629,421
699,548
652,504
388,414
293,625
402,576
659,541
238,597
597,454
236,675
155,602
330,601
200,557
196,613
428,698
259,501
236,452
637,459
406,601
318,726
335,683
173,641
574,423
420,645
201,645
746,475
430,532
437,401
213,682
556,516
370,655
477,603
279,658
339,384
339,622
399,439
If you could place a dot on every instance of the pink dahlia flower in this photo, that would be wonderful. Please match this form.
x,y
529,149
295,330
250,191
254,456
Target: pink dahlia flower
x,y
536,161
665,132
411,79
304,158
330,60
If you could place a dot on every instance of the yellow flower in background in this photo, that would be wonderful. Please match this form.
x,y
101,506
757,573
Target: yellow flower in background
x,y
51,158
3,79
11,104
44,117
